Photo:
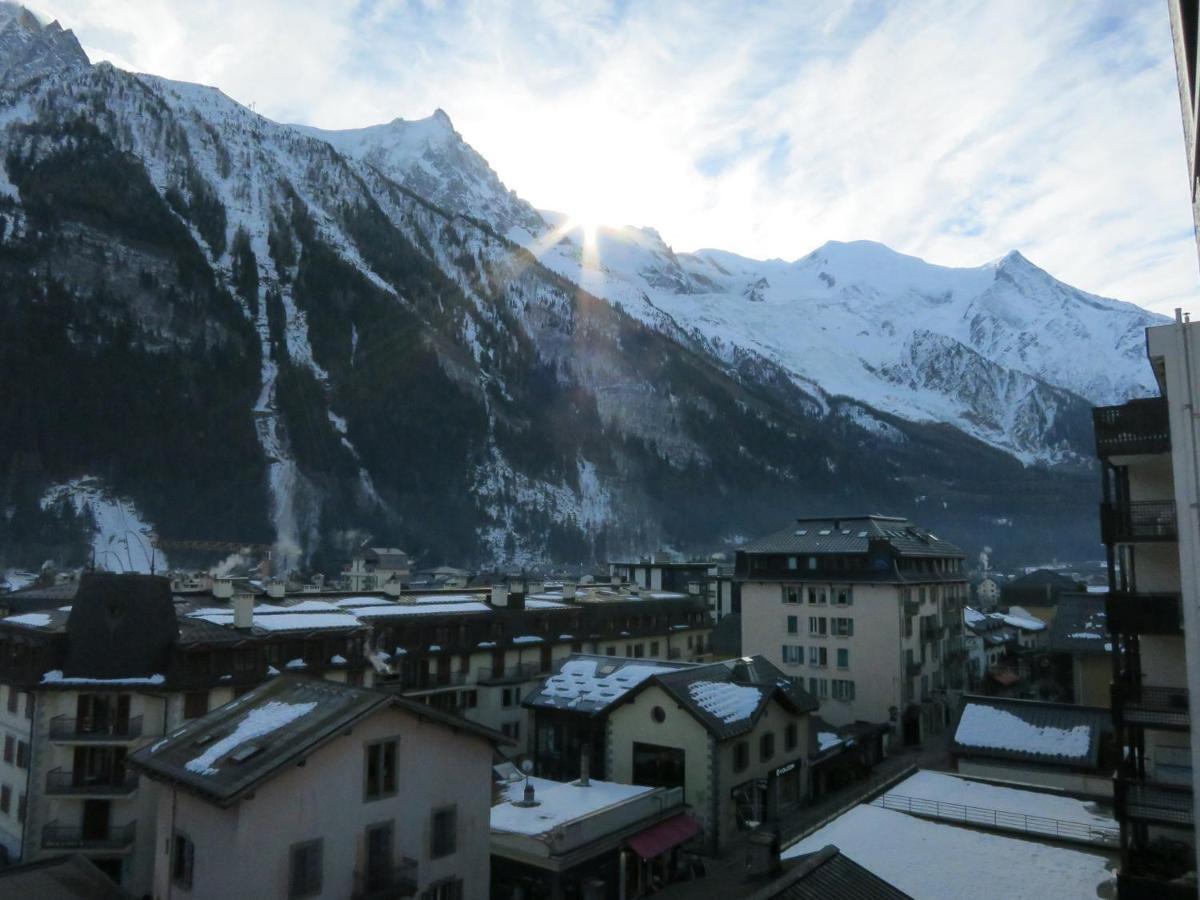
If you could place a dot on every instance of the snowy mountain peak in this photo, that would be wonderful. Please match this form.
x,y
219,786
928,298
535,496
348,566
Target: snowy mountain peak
x,y
31,50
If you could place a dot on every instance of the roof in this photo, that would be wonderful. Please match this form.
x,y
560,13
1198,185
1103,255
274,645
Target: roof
x,y
120,626
1051,733
1080,625
852,534
558,803
229,752
589,684
828,874
59,878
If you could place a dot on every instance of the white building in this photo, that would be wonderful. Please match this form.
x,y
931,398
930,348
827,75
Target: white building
x,y
306,788
865,611
371,568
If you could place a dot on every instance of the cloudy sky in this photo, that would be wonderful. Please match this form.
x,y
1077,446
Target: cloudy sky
x,y
954,130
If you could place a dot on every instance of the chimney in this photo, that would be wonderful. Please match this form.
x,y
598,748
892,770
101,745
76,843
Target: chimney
x,y
530,799
319,582
585,764
392,587
500,595
275,589
243,611
222,588
568,590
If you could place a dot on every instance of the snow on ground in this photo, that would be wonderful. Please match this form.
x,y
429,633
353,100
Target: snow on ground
x,y
932,861
944,788
258,722
728,702
558,803
121,542
986,726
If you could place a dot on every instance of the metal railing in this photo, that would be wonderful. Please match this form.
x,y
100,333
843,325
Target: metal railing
x,y
1139,426
1000,820
1140,520
399,880
67,837
520,672
1152,802
1162,707
66,728
65,782
1138,613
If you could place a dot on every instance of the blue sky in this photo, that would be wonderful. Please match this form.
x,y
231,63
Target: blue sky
x,y
949,129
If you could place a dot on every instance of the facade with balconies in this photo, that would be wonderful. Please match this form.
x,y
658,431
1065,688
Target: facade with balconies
x,y
1148,522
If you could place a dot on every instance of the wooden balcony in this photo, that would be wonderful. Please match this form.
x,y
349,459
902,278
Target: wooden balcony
x,y
1137,613
1136,427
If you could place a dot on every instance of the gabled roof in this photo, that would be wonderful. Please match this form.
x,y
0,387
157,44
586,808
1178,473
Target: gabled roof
x,y
590,684
829,874
852,534
1053,733
229,752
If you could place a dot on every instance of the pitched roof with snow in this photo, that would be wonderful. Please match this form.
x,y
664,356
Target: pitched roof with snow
x,y
590,684
1054,733
852,534
1080,625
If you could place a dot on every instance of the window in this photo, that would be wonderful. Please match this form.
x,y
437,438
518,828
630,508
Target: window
x,y
5,798
843,690
817,625
818,656
741,756
610,651
793,624
511,729
766,746
470,699
305,870
29,705
183,853
843,658
812,564
506,697
380,769
842,627
22,755
443,832
818,687
9,748
793,563
195,704
12,699
793,594
450,889
793,655
639,650
843,597
654,649
790,737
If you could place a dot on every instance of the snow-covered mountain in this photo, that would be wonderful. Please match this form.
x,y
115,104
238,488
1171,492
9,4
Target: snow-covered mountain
x,y
999,351
245,330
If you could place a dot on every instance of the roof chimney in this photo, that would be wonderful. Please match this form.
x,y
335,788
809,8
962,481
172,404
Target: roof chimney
x,y
243,611
392,587
568,590
500,595
275,589
222,588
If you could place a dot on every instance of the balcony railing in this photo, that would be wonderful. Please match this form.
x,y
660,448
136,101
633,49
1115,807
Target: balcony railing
x,y
1164,804
1136,613
65,728
386,884
72,837
1151,705
521,672
63,782
1143,520
1139,426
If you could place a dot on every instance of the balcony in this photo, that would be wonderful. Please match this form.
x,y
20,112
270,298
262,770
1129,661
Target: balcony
x,y
912,668
1134,613
1144,520
72,837
931,631
1139,426
912,608
1162,804
509,674
99,731
387,883
1151,706
64,783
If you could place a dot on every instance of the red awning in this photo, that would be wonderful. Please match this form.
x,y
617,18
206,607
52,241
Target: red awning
x,y
662,837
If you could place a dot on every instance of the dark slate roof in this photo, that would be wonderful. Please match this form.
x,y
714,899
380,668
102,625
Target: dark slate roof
x,y
726,636
120,625
852,534
59,878
1077,617
829,874
44,597
233,749
1022,741
589,684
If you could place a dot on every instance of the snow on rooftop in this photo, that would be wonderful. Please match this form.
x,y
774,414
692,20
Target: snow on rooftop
x,y
289,621
527,639
972,617
587,680
558,803
445,598
728,702
363,601
544,604
1021,618
935,861
998,729
29,620
1086,635
418,609
827,740
55,676
258,722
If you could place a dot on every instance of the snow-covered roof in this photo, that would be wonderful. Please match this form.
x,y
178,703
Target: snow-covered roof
x,y
727,701
1057,733
558,803
592,684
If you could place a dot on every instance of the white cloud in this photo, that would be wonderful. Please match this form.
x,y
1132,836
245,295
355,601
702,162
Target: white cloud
x,y
952,130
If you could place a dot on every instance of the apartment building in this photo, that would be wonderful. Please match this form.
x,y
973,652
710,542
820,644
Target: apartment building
x,y
712,579
309,788
1148,454
865,612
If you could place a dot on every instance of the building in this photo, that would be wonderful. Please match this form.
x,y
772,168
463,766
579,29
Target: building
x,y
999,647
305,787
1076,663
824,874
1038,591
735,734
864,610
712,579
370,568
1148,458
1056,746
59,878
553,839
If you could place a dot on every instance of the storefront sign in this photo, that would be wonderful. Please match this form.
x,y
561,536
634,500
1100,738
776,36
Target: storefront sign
x,y
783,770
